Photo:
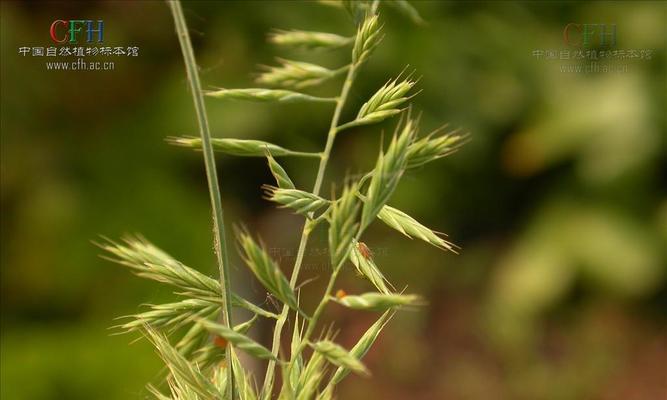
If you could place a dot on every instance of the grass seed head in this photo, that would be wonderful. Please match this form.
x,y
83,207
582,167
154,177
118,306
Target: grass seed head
x,y
411,228
433,147
295,74
301,202
282,179
267,95
364,344
367,38
337,355
388,171
238,340
379,301
362,258
266,270
308,39
342,225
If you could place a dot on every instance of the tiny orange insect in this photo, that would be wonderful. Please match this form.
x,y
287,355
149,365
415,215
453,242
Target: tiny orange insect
x,y
364,250
220,342
340,294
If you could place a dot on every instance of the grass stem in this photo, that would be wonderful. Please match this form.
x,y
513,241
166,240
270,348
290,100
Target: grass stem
x,y
211,175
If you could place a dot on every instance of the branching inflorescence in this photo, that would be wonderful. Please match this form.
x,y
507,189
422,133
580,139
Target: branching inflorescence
x,y
203,363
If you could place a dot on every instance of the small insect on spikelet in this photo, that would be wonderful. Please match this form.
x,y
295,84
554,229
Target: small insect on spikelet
x,y
362,258
365,251
220,342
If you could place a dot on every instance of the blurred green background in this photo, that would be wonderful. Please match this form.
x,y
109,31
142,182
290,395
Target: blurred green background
x,y
559,201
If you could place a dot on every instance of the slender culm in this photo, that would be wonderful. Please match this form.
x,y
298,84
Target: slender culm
x,y
211,173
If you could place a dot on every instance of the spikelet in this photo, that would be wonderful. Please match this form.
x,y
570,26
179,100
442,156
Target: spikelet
x,y
296,74
342,225
383,104
366,267
238,340
266,270
240,147
309,39
363,345
337,355
411,228
298,200
185,373
379,301
267,95
171,315
150,262
367,38
433,147
282,179
387,173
